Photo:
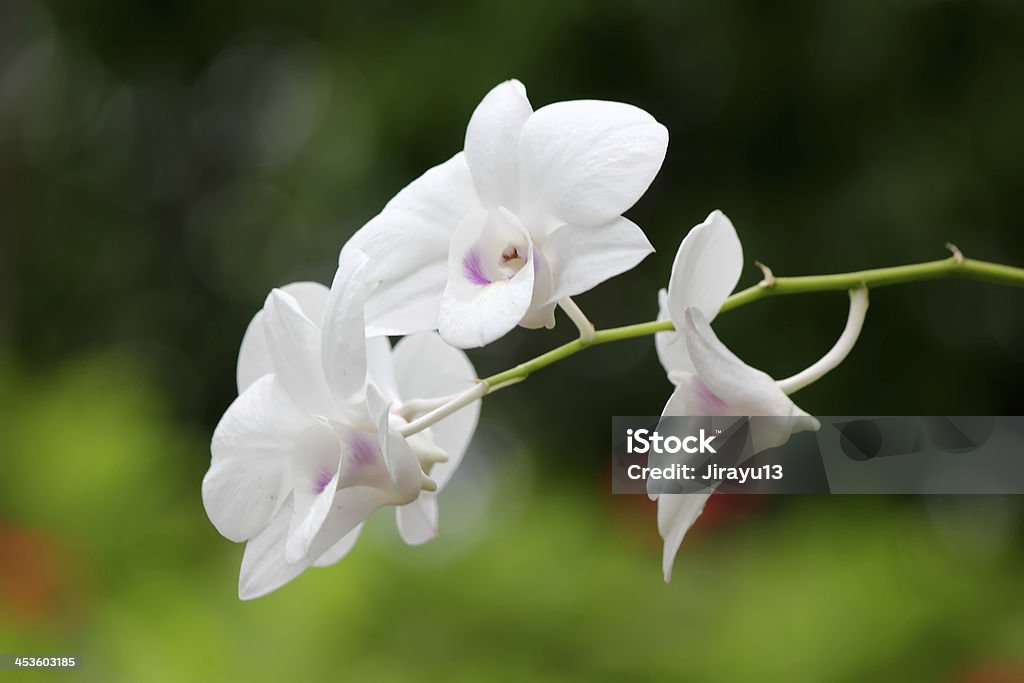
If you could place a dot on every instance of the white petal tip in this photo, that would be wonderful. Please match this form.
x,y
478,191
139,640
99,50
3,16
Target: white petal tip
x,y
293,553
275,295
247,592
353,258
666,569
515,83
278,299
424,539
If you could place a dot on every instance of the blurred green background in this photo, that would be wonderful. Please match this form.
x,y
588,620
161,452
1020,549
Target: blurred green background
x,y
162,166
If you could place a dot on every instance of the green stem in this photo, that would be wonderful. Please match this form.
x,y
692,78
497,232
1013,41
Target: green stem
x,y
953,267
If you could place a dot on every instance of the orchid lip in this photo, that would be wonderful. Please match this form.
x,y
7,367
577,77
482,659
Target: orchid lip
x,y
364,451
322,480
511,261
711,402
473,269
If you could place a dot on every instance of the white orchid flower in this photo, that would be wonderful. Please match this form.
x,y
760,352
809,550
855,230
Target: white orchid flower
x,y
309,448
712,381
528,215
719,383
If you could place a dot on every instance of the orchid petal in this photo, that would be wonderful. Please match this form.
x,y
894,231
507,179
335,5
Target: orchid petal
x,y
343,346
586,162
677,512
379,367
692,397
264,567
736,384
316,468
417,521
706,268
705,271
725,385
492,139
294,344
584,257
254,356
352,506
671,346
337,552
249,474
407,244
362,463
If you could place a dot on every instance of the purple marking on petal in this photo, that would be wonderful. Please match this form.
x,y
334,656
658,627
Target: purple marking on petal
x,y
364,451
322,480
472,268
712,403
